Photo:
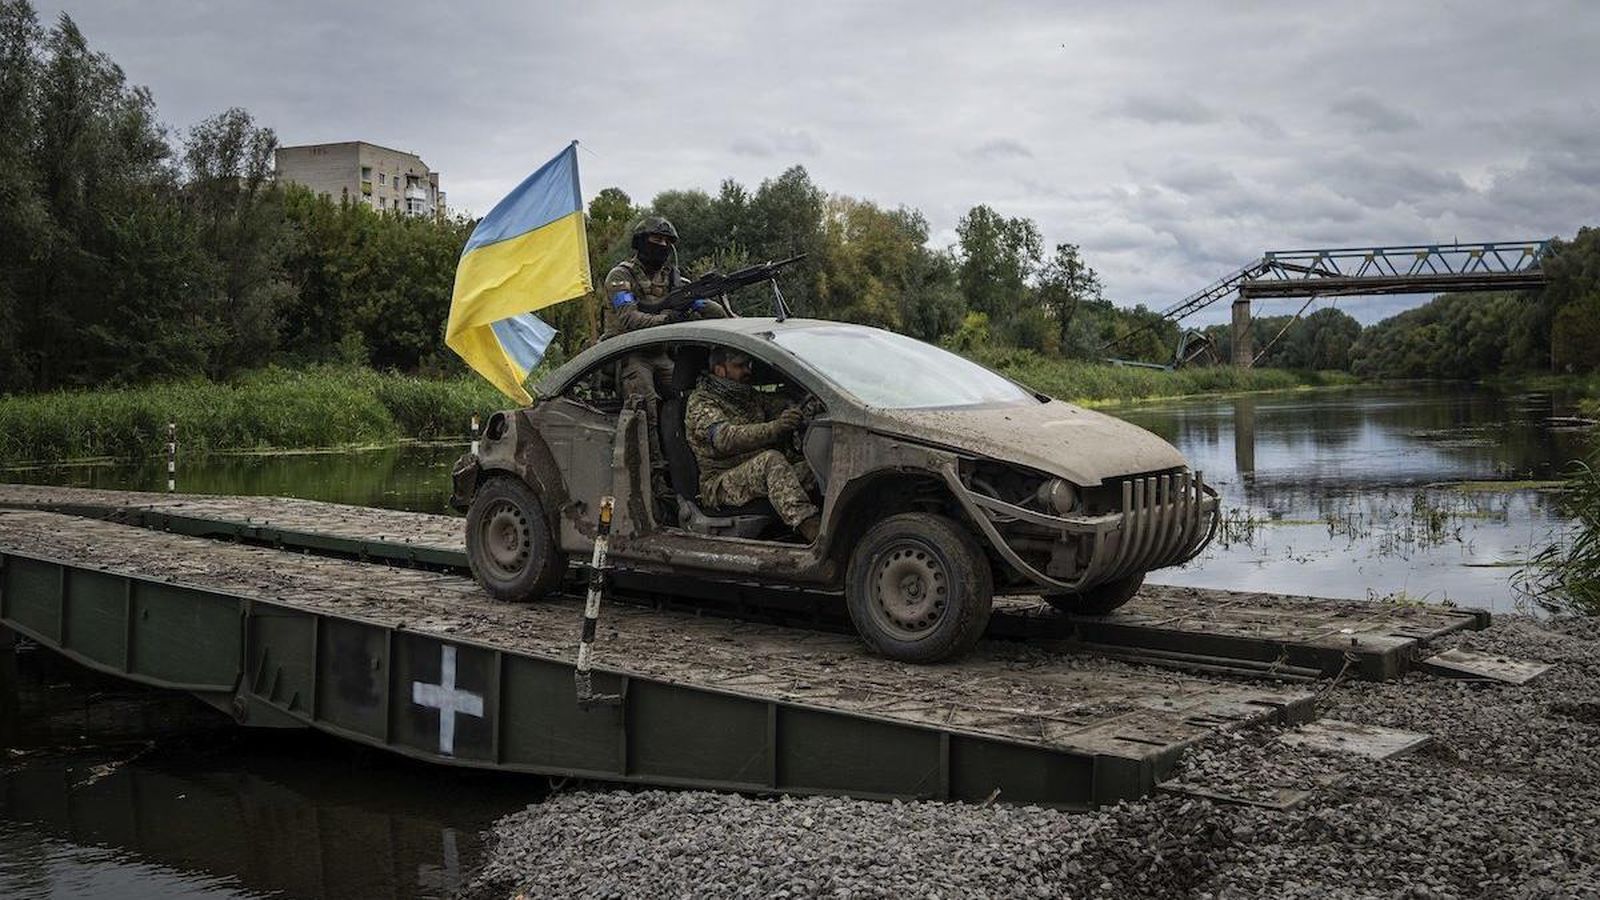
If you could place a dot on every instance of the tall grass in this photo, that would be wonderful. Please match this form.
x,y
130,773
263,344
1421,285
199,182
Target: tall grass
x,y
1087,382
274,408
290,409
1565,576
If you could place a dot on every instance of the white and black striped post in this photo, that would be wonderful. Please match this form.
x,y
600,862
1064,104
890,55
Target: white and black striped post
x,y
474,434
591,609
172,457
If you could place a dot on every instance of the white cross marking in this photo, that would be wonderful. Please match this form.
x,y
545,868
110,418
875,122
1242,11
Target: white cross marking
x,y
447,700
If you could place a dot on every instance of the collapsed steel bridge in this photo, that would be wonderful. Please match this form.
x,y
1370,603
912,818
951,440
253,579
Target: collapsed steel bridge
x,y
1364,271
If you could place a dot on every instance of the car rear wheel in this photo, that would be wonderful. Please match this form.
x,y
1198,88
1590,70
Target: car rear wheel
x,y
919,588
509,545
1100,599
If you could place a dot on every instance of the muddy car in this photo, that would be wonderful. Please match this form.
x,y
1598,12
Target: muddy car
x,y
941,483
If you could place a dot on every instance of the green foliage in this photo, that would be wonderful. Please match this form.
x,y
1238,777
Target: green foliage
x,y
1088,382
998,257
273,408
1452,336
1575,336
1323,341
1565,576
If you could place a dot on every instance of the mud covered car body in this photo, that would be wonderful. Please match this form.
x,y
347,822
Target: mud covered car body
x,y
1059,500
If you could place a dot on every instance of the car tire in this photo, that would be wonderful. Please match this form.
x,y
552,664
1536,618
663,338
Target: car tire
x,y
919,588
1100,599
510,548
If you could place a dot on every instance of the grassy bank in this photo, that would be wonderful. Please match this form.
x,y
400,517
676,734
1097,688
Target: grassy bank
x,y
283,409
1095,383
271,409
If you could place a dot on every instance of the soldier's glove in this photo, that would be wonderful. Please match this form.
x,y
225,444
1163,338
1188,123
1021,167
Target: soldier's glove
x,y
789,420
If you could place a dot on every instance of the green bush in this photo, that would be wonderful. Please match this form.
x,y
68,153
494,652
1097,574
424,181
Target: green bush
x,y
274,408
1088,382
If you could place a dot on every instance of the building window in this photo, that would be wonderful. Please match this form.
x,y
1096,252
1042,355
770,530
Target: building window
x,y
383,202
366,173
381,178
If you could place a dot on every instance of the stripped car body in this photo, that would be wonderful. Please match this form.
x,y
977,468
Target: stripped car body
x,y
1061,499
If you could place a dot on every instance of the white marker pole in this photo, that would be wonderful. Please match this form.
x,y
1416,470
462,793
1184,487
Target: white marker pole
x,y
591,611
474,434
172,457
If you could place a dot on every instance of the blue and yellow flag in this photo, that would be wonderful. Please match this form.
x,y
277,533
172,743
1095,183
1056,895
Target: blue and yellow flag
x,y
529,252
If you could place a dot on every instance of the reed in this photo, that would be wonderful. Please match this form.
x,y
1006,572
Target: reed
x,y
1565,576
272,409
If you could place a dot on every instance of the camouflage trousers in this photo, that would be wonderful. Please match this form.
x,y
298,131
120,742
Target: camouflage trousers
x,y
768,474
641,373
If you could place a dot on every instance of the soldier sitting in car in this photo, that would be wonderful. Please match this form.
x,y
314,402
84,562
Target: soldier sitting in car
x,y
741,438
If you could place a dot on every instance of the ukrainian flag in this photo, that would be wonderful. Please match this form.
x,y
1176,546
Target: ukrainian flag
x,y
529,252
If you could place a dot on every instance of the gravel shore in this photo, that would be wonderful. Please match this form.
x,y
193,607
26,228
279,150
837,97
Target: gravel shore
x,y
1504,803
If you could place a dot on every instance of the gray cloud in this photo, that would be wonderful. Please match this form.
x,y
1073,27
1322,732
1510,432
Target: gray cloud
x,y
1132,130
1165,109
1000,149
786,144
1367,111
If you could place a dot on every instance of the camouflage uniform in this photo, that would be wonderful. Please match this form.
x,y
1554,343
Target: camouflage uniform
x,y
626,286
730,429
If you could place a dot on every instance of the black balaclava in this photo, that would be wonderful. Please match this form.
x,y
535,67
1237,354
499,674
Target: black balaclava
x,y
653,255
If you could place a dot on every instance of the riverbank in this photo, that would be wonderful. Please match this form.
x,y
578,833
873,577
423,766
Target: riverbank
x,y
328,407
1502,803
1099,384
273,409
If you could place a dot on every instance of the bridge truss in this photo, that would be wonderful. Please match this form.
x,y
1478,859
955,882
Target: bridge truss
x,y
1346,271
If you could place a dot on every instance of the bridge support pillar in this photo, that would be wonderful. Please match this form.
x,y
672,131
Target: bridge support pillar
x,y
1243,353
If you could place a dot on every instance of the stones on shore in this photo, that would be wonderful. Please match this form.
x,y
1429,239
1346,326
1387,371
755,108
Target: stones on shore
x,y
1505,802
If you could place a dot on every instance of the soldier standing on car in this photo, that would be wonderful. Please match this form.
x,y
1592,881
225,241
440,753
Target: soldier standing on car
x,y
735,432
647,276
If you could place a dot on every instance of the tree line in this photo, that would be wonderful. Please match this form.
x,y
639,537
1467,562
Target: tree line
x,y
137,255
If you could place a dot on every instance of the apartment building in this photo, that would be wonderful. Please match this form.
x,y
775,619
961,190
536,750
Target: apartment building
x,y
383,178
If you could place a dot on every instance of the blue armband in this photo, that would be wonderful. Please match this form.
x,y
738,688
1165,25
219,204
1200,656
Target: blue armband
x,y
621,299
698,305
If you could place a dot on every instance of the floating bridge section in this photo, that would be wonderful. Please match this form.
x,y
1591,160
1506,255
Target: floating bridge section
x,y
280,625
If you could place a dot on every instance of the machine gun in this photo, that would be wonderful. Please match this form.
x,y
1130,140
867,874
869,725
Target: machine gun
x,y
712,285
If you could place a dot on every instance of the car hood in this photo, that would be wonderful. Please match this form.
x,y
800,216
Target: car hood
x,y
1058,438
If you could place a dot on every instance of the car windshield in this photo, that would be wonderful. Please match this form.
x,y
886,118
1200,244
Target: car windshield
x,y
892,371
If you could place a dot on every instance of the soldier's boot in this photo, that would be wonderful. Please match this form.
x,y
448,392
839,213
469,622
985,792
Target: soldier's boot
x,y
809,528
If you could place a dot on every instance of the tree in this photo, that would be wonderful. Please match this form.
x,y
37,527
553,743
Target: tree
x,y
1065,283
228,163
1575,336
998,256
23,219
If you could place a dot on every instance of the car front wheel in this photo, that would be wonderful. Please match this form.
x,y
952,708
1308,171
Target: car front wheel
x,y
1100,599
919,588
509,545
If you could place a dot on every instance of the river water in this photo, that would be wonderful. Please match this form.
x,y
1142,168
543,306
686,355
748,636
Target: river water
x,y
111,791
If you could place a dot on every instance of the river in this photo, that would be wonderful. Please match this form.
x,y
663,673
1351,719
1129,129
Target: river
x,y
112,791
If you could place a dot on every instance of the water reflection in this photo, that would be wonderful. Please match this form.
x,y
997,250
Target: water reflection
x,y
414,476
1297,468
1355,493
111,791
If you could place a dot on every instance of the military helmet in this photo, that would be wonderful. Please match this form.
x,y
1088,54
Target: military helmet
x,y
654,225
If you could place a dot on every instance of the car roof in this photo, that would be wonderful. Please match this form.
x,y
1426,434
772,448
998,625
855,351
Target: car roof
x,y
733,331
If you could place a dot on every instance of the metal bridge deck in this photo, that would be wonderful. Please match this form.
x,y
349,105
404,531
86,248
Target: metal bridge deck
x,y
1197,629
420,662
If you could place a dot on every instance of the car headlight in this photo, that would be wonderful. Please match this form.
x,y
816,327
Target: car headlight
x,y
1059,496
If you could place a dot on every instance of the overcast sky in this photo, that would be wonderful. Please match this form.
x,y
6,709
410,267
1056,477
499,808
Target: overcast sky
x,y
1173,144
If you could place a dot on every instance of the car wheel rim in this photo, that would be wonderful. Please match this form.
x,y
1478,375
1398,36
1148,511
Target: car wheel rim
x,y
910,590
506,537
